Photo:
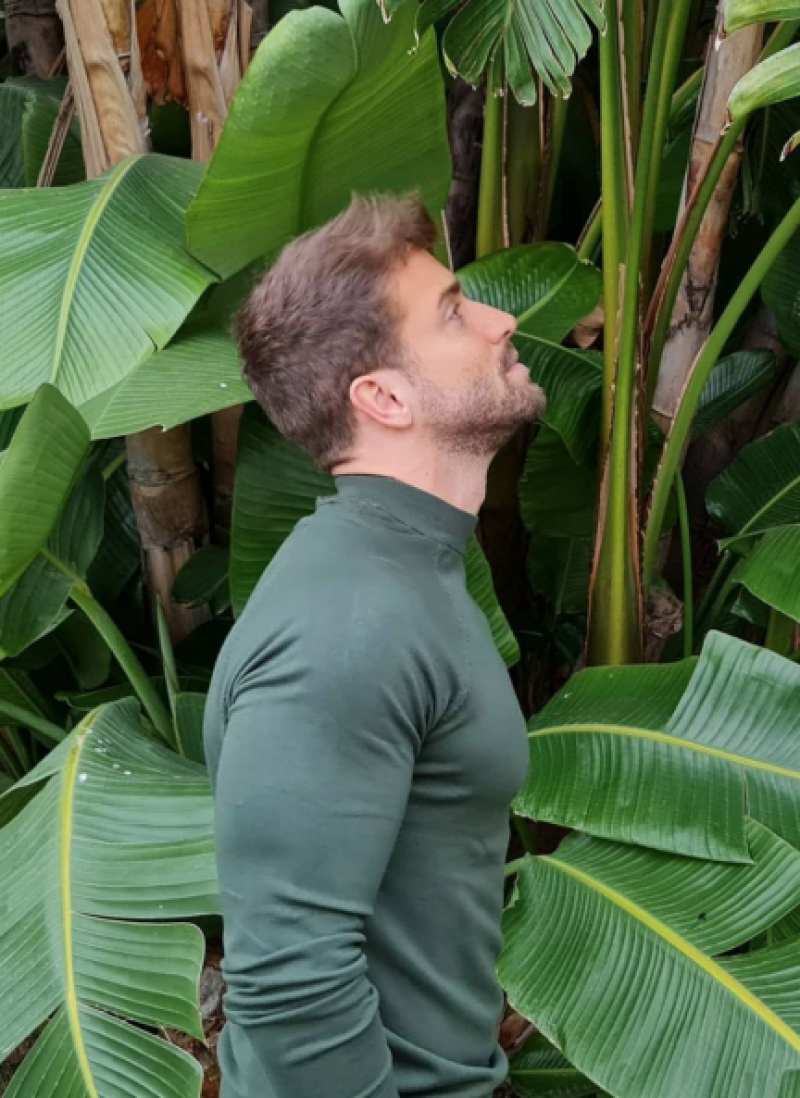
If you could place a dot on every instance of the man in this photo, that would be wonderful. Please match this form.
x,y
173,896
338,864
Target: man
x,y
362,734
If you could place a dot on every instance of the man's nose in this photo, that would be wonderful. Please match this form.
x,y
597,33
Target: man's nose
x,y
501,325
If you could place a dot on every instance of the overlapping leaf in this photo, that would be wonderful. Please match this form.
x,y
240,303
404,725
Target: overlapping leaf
x,y
94,277
539,1070
669,756
772,570
117,838
197,373
760,489
47,449
315,118
536,38
598,926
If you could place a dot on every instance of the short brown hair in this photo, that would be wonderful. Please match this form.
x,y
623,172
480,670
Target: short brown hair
x,y
320,317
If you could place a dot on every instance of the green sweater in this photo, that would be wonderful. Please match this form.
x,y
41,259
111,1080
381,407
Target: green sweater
x,y
364,743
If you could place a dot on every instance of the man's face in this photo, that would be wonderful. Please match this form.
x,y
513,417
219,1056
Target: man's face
x,y
471,392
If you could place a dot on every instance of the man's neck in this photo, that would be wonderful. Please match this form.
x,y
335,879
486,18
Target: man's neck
x,y
460,480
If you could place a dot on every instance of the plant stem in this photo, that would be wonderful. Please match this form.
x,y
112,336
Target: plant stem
x,y
723,570
681,426
489,233
46,732
589,240
666,291
780,633
615,200
614,631
10,763
669,281
559,108
120,649
686,562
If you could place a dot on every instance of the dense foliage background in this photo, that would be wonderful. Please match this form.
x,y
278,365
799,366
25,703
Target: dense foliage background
x,y
621,177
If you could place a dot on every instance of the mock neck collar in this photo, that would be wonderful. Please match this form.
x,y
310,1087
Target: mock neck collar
x,y
428,514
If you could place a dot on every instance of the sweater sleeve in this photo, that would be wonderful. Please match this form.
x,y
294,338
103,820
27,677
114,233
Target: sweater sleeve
x,y
315,771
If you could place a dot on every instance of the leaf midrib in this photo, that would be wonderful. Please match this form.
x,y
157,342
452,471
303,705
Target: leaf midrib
x,y
66,816
672,741
98,207
794,483
702,960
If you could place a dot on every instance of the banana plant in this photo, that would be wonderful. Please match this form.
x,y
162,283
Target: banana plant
x,y
109,850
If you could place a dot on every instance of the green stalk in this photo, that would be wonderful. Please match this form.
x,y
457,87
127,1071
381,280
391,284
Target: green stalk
x,y
10,764
686,563
632,31
722,573
120,649
590,237
523,167
705,362
615,201
489,235
558,121
592,233
20,750
614,629
46,732
686,231
780,633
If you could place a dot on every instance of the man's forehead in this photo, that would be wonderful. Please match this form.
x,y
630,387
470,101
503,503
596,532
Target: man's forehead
x,y
424,278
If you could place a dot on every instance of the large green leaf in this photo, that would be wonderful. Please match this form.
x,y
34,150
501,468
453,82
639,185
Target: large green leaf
x,y
743,13
781,293
571,380
614,953
652,756
772,570
557,496
536,38
28,110
539,1070
733,380
46,452
547,287
94,277
771,81
760,489
197,373
118,838
277,485
481,587
559,569
329,105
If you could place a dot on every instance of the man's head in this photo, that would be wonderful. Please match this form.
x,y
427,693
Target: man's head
x,y
358,340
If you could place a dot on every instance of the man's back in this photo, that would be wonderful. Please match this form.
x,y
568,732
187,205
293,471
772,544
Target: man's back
x,y
364,743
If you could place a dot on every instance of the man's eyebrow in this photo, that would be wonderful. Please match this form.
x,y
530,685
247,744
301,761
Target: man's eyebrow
x,y
449,291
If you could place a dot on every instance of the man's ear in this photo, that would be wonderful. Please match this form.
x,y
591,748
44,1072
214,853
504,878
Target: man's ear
x,y
383,397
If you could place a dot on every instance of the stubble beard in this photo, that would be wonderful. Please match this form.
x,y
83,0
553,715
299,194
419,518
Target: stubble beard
x,y
479,421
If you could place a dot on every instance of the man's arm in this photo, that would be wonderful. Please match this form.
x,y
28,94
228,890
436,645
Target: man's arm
x,y
312,786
